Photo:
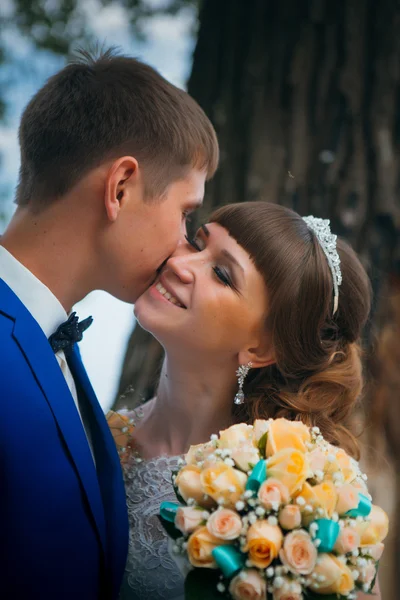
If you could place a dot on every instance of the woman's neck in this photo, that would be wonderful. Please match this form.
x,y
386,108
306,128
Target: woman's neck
x,y
192,402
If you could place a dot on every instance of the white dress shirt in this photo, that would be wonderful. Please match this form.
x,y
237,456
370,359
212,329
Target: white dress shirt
x,y
44,308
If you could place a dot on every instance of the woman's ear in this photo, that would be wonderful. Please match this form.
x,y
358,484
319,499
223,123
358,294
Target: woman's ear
x,y
260,356
117,185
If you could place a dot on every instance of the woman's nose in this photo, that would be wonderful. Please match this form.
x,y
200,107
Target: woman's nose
x,y
180,264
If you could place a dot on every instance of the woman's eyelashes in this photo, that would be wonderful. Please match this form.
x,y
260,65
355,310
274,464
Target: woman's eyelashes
x,y
220,273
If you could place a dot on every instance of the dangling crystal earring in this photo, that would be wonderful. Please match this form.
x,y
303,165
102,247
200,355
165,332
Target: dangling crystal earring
x,y
241,374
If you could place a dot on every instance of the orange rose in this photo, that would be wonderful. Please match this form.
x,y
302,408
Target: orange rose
x,y
222,482
284,434
337,576
200,546
290,467
189,485
263,543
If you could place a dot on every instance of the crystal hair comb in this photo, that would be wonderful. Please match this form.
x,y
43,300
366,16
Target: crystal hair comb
x,y
327,240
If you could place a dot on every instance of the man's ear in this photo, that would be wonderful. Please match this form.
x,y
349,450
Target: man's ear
x,y
122,174
261,355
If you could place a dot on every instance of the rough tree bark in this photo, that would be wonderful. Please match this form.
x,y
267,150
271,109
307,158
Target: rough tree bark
x,y
304,96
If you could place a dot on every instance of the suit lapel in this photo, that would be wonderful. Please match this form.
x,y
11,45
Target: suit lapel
x,y
108,471
44,365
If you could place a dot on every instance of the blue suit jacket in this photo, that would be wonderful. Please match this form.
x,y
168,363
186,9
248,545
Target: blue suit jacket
x,y
63,521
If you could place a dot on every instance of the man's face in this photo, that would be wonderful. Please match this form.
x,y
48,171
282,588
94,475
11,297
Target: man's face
x,y
148,233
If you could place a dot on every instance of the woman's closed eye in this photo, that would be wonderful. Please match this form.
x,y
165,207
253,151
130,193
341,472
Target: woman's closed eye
x,y
221,273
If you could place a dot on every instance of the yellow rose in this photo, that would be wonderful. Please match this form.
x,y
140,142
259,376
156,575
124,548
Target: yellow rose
x,y
263,544
323,496
235,435
199,453
245,456
189,485
250,586
200,546
290,467
337,576
284,434
339,460
375,529
220,481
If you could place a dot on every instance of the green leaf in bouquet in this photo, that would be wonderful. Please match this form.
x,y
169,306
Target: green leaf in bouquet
x,y
309,595
201,584
262,444
177,494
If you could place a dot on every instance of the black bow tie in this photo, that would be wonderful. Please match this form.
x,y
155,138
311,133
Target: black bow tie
x,y
69,333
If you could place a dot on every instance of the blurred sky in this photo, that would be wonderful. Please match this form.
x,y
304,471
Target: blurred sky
x,y
168,47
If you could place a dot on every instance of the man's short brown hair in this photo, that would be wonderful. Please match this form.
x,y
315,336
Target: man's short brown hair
x,y
100,108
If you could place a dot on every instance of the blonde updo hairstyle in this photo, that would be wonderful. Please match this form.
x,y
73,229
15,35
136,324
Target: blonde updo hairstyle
x,y
317,376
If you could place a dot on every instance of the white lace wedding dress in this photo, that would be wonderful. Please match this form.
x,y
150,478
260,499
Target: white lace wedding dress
x,y
151,573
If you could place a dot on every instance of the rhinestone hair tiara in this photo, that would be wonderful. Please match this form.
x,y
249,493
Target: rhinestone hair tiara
x,y
327,240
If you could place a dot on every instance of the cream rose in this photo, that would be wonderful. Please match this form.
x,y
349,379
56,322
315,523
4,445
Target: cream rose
x,y
290,467
342,462
249,585
260,427
225,524
375,529
199,453
222,482
263,543
337,576
317,459
290,590
245,456
273,493
235,435
290,516
347,540
284,434
376,550
298,553
187,519
347,498
200,546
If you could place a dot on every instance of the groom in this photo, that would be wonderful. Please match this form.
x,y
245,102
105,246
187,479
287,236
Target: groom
x,y
113,159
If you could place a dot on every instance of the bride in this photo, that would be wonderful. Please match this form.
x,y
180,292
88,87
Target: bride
x,y
257,285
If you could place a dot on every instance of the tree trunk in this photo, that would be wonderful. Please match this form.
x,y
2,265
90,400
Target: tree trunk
x,y
304,97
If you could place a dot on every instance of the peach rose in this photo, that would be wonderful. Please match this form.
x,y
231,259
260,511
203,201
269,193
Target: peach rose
x,y
188,483
298,553
343,462
220,481
323,496
367,574
249,586
284,434
347,498
338,578
375,529
273,492
199,453
200,546
245,456
290,467
290,516
235,435
224,524
317,459
376,550
260,427
263,543
347,541
187,519
290,590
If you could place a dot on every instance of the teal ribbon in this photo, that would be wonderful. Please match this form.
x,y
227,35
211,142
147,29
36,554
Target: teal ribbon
x,y
363,509
168,511
327,533
257,477
229,560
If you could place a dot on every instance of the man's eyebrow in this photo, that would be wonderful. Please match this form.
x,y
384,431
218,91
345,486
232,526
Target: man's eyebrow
x,y
230,257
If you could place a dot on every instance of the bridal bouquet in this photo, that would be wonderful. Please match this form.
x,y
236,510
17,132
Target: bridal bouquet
x,y
274,511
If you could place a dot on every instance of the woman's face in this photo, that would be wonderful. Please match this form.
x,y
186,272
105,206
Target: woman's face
x,y
209,297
